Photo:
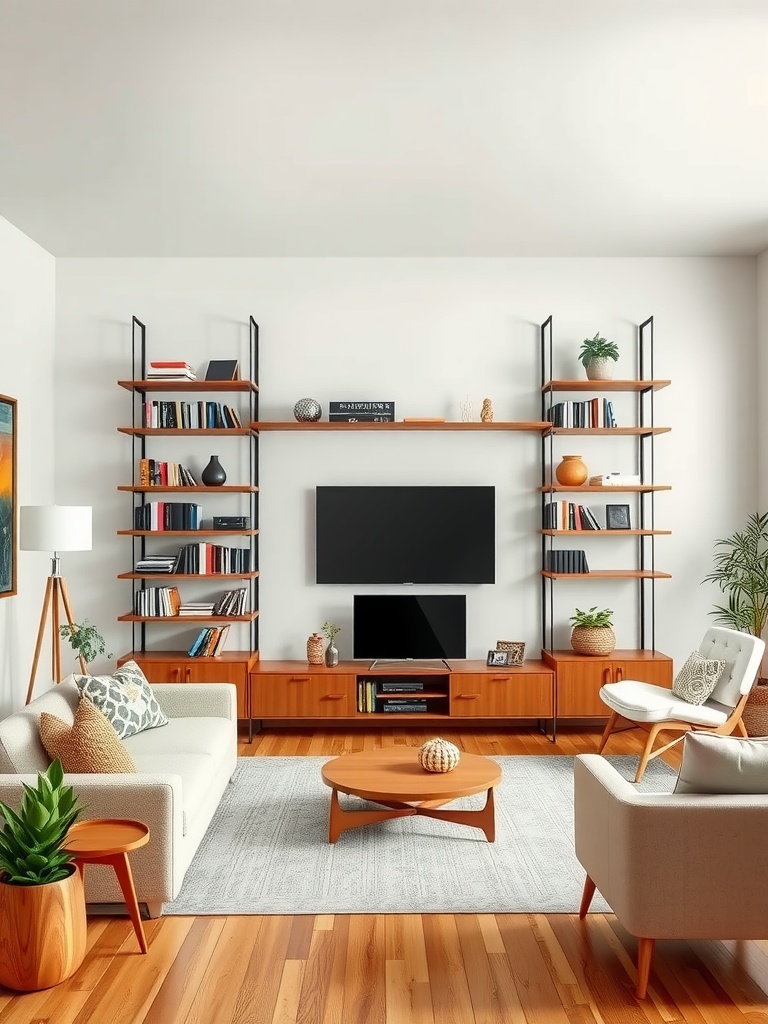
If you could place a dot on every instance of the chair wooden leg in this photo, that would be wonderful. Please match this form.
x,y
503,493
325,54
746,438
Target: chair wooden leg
x,y
586,897
648,749
608,730
644,958
741,728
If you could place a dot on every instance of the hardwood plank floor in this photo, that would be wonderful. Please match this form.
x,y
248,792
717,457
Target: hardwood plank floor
x,y
400,969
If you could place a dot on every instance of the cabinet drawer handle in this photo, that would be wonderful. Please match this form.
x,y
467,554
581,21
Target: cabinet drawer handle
x,y
187,675
467,696
501,679
335,696
175,675
606,675
619,674
299,679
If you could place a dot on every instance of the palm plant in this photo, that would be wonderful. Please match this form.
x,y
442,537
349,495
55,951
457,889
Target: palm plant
x,y
741,572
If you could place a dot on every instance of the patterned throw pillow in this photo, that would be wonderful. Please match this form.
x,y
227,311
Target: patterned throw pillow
x,y
125,699
697,678
89,745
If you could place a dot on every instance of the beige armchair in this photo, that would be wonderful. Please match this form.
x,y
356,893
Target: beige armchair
x,y
668,864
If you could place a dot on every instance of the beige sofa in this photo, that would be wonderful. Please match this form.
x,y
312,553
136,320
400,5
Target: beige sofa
x,y
183,770
671,865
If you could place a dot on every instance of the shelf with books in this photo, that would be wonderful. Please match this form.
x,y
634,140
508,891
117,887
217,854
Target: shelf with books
x,y
602,532
639,386
595,489
531,426
608,574
209,408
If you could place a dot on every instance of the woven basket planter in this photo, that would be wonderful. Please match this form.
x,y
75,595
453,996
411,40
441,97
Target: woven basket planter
x,y
316,649
755,715
439,756
594,640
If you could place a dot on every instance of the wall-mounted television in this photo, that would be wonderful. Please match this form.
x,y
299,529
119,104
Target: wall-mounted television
x,y
409,626
408,534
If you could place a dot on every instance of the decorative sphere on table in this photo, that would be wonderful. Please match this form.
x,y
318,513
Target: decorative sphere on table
x,y
307,410
439,755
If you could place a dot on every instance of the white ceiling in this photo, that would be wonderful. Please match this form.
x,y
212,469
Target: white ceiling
x,y
385,127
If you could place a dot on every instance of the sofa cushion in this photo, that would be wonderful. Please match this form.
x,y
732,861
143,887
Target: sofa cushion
x,y
21,750
723,764
697,678
646,702
89,744
125,699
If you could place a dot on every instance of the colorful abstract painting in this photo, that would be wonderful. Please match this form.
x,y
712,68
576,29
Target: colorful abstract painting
x,y
7,496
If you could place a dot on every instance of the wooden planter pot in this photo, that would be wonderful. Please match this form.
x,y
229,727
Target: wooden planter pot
x,y
42,932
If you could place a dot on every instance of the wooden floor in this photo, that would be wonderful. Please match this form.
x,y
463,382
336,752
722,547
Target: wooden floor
x,y
393,969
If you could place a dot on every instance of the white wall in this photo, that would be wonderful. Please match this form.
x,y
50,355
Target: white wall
x,y
423,332
762,378
27,322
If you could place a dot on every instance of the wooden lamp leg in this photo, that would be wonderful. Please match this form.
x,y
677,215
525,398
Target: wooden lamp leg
x,y
70,617
40,634
55,639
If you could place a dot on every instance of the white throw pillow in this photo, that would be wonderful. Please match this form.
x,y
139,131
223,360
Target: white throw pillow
x,y
723,764
697,678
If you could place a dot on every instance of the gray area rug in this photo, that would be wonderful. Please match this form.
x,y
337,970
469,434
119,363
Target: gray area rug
x,y
267,852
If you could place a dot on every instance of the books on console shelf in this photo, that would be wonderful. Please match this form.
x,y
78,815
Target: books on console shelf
x,y
208,642
568,516
615,480
153,473
566,561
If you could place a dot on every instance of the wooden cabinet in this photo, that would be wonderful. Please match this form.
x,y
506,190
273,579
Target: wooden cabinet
x,y
302,694
578,678
511,693
176,667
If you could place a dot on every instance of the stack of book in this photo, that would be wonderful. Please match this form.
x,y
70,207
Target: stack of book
x,y
567,515
170,369
208,642
205,559
157,563
593,414
566,561
157,602
196,608
615,480
232,602
168,415
168,515
361,412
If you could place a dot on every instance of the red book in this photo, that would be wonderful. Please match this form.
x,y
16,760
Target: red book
x,y
177,362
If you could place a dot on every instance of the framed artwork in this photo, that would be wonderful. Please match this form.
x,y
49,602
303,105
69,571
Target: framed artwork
x,y
515,650
7,496
496,659
617,517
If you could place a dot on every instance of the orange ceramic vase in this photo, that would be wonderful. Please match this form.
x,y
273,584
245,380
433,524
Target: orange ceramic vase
x,y
571,472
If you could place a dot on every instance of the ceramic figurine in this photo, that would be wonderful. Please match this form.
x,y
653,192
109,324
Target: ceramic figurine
x,y
486,413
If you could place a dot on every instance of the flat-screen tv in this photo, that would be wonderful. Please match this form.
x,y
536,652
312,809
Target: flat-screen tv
x,y
410,534
405,626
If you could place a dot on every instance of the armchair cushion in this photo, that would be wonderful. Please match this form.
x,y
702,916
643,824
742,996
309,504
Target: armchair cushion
x,y
697,678
723,764
125,699
90,744
646,702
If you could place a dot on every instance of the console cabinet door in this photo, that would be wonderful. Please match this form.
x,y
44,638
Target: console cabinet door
x,y
302,695
578,688
207,671
657,672
501,695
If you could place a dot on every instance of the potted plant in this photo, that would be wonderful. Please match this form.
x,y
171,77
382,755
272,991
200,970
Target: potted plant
x,y
86,641
330,629
597,356
42,902
741,572
592,631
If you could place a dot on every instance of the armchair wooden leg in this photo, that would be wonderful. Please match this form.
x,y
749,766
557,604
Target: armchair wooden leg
x,y
741,729
648,749
644,957
586,897
608,730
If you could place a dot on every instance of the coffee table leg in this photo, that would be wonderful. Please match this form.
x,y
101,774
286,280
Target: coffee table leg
x,y
340,820
123,871
484,819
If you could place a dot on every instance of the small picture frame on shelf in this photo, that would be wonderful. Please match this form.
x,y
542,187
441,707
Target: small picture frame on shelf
x,y
617,517
496,659
515,651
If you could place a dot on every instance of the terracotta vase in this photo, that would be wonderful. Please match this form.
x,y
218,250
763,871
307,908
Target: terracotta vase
x,y
571,472
42,933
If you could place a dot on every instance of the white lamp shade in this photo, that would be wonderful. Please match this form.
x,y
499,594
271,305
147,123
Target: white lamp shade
x,y
55,528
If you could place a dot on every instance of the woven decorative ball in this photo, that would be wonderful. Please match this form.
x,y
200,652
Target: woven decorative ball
x,y
316,649
307,410
593,640
439,756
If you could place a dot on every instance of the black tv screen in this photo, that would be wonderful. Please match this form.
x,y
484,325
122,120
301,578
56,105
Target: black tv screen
x,y
409,534
405,626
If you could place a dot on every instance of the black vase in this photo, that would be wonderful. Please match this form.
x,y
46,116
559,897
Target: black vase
x,y
213,475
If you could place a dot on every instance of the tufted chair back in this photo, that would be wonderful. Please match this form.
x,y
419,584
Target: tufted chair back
x,y
742,654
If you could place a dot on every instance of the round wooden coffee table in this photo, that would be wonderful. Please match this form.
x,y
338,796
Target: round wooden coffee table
x,y
395,779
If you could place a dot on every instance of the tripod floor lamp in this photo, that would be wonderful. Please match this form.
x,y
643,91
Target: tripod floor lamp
x,y
54,528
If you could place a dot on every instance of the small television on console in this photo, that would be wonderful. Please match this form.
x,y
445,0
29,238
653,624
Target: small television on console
x,y
405,534
418,627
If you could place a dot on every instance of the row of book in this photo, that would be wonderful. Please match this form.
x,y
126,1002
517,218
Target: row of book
x,y
164,474
168,515
199,559
567,515
361,412
208,642
190,415
165,602
566,561
180,369
594,413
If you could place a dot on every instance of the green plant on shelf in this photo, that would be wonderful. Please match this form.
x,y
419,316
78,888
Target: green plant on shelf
x,y
330,629
592,618
597,348
85,640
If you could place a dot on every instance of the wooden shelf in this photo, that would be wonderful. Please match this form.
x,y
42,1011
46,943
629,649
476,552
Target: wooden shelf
x,y
249,617
617,654
594,489
187,533
606,533
532,426
174,657
608,574
605,385
186,432
406,716
189,385
196,489
187,576
615,431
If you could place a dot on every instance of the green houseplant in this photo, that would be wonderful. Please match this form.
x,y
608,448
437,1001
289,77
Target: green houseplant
x,y
592,631
741,571
597,356
85,640
42,902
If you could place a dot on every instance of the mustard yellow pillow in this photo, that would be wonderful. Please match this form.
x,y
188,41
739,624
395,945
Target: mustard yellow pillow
x,y
89,745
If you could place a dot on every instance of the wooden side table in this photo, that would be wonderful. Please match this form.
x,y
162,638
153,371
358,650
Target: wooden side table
x,y
109,841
